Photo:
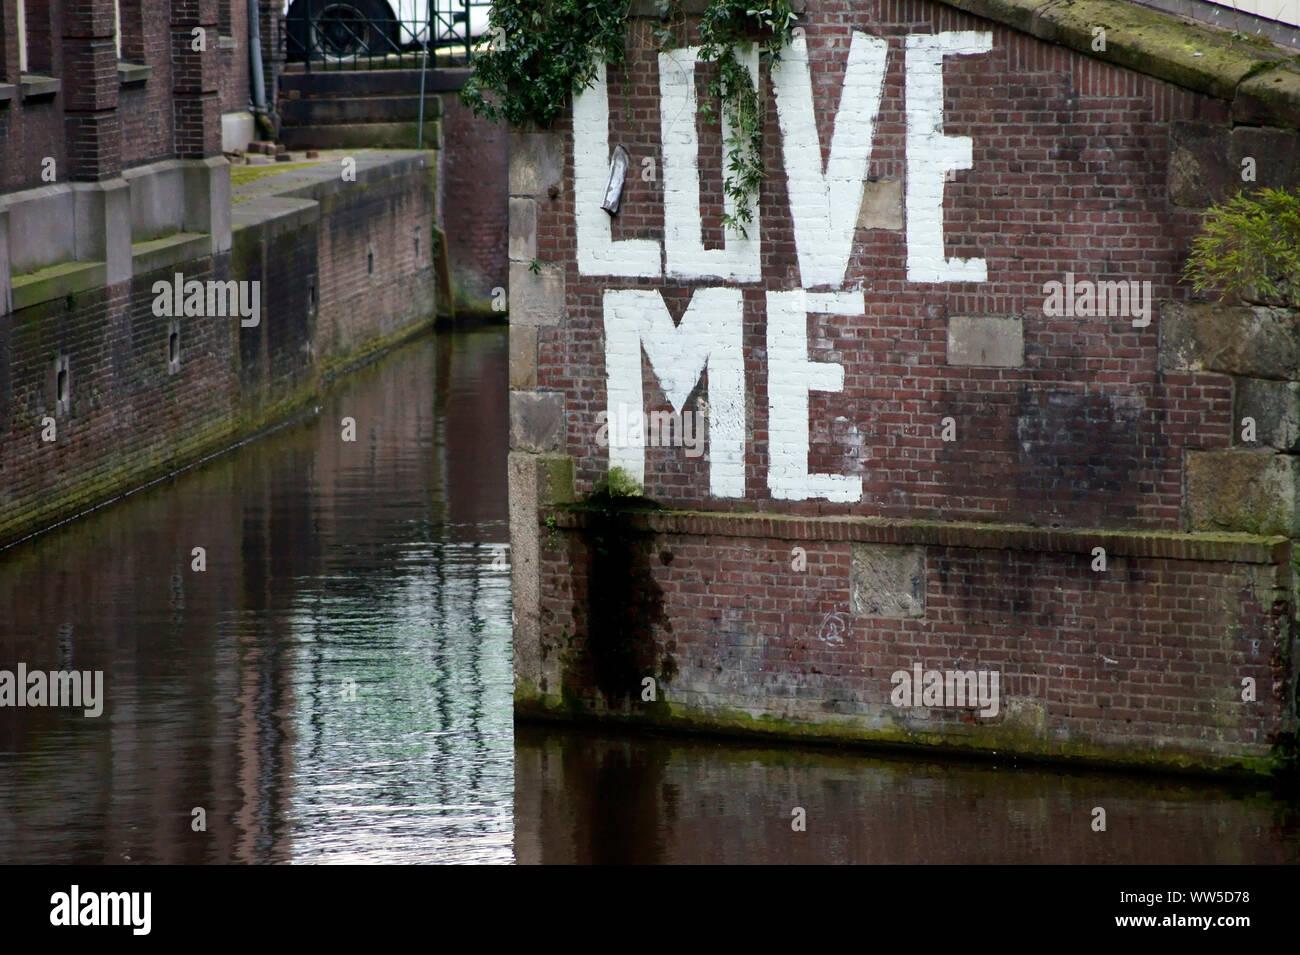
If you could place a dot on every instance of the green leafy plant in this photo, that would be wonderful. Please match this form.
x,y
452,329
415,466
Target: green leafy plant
x,y
618,483
1249,246
542,52
725,26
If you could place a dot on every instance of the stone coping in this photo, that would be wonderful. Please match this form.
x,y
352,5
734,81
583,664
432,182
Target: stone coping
x,y
56,281
1260,80
35,86
324,176
128,73
1226,548
154,254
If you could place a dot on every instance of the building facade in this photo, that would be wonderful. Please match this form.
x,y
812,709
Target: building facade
x,y
946,414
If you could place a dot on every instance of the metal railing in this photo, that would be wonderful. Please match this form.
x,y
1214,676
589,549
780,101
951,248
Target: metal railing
x,y
351,35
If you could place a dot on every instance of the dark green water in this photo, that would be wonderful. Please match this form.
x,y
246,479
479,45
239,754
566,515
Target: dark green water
x,y
379,566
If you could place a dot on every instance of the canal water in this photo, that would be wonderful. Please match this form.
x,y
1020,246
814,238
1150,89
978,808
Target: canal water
x,y
335,686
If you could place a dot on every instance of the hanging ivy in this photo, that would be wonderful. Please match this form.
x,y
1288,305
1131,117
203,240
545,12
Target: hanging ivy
x,y
726,26
544,51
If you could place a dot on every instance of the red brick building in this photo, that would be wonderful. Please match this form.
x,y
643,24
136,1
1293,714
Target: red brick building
x,y
915,461
112,180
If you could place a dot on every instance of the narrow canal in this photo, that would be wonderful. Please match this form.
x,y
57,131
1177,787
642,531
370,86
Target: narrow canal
x,y
335,686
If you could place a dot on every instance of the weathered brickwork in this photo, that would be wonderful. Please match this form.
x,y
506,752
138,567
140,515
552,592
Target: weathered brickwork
x,y
473,170
100,119
964,398
130,418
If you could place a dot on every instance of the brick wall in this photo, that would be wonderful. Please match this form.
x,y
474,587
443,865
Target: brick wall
x,y
146,107
474,179
130,419
1077,166
233,74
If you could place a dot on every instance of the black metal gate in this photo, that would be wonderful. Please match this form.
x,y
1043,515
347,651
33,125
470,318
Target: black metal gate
x,y
382,34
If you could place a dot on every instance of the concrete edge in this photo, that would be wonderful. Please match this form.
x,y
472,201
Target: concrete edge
x,y
56,281
1226,547
1264,762
154,254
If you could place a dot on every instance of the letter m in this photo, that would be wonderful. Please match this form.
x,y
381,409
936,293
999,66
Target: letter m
x,y
223,298
66,688
961,688
1112,299
120,903
709,336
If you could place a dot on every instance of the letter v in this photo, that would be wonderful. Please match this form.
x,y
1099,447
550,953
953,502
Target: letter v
x,y
825,206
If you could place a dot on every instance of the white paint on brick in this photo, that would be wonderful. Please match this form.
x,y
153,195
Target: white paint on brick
x,y
790,376
824,205
710,334
931,155
598,253
684,253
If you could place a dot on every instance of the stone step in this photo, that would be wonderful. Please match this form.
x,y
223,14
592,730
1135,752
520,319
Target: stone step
x,y
352,109
360,136
372,82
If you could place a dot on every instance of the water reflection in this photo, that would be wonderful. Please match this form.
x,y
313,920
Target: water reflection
x,y
372,570
334,687
592,798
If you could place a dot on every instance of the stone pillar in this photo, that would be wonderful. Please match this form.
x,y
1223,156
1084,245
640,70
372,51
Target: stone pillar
x,y
103,233
207,200
539,473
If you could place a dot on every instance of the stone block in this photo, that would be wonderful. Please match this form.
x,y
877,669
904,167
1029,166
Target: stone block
x,y
207,200
536,299
882,204
536,163
554,479
1252,341
523,230
521,482
887,580
1269,98
990,341
536,420
1251,492
523,357
103,226
1276,153
1275,408
1200,170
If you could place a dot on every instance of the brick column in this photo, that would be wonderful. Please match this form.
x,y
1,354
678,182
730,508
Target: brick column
x,y
196,101
91,123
